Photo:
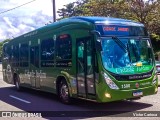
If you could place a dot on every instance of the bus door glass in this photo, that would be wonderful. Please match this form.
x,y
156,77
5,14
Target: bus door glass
x,y
85,73
34,66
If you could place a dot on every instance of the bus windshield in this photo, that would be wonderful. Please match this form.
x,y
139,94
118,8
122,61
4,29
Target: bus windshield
x,y
126,55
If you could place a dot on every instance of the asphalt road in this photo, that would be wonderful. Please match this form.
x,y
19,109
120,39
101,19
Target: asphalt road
x,y
48,104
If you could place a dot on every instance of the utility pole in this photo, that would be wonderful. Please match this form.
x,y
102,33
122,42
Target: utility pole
x,y
54,11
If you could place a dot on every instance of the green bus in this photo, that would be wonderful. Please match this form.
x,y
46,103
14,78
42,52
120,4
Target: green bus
x,y
100,59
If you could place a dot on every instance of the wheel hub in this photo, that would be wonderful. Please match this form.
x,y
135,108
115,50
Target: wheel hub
x,y
64,91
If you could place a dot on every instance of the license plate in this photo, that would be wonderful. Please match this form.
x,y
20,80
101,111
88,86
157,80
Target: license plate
x,y
137,93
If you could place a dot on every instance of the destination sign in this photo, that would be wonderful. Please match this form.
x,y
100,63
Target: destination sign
x,y
121,30
63,36
116,30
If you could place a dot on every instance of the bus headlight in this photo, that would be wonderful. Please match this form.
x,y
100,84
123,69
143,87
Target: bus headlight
x,y
109,82
107,95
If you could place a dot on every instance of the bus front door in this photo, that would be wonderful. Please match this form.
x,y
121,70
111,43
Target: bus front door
x,y
34,66
85,73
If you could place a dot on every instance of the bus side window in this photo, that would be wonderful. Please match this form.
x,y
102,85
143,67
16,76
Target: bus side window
x,y
8,53
5,56
15,54
24,55
64,47
47,50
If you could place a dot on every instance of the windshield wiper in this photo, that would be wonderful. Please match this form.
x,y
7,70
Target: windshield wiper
x,y
118,41
124,48
129,55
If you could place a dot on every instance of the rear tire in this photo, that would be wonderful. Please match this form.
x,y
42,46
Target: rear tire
x,y
64,92
17,83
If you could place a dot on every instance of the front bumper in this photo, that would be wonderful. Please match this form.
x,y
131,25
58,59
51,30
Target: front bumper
x,y
125,94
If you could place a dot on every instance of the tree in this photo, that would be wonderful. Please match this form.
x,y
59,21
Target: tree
x,y
112,8
68,11
1,46
72,9
146,12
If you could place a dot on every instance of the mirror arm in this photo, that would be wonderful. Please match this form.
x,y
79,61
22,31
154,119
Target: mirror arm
x,y
96,33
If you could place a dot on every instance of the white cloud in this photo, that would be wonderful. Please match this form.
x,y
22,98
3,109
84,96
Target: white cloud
x,y
22,26
11,27
61,3
6,19
3,36
26,18
13,30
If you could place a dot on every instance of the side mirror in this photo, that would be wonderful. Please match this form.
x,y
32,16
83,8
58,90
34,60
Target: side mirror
x,y
98,41
98,45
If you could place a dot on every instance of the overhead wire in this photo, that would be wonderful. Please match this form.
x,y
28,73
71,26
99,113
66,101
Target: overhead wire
x,y
17,7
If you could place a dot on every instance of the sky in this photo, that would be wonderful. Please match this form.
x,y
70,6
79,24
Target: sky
x,y
26,18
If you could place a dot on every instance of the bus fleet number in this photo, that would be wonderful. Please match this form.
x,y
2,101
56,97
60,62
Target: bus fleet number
x,y
125,86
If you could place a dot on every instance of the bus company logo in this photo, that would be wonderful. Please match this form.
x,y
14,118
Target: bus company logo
x,y
6,114
31,34
137,85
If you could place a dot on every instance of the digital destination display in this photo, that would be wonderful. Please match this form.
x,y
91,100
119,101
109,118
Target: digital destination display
x,y
121,30
115,30
63,36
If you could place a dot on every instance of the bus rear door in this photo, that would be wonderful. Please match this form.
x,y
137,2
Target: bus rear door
x,y
34,64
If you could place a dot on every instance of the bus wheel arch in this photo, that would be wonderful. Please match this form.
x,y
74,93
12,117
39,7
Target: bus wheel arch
x,y
63,90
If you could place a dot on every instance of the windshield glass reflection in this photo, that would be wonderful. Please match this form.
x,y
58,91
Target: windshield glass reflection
x,y
126,53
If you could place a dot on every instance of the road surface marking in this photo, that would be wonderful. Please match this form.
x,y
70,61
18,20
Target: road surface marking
x,y
19,99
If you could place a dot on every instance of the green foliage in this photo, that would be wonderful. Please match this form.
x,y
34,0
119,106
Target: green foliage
x,y
1,46
72,9
155,37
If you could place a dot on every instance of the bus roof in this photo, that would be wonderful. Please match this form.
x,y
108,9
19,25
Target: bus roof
x,y
93,20
108,20
85,20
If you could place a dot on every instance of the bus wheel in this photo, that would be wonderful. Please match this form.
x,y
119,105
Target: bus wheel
x,y
64,92
17,83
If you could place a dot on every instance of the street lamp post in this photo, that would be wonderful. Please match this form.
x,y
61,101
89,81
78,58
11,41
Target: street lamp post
x,y
54,11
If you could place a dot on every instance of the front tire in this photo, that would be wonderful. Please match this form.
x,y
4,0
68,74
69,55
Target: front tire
x,y
64,92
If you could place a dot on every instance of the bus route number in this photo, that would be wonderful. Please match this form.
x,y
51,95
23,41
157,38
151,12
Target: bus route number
x,y
125,86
